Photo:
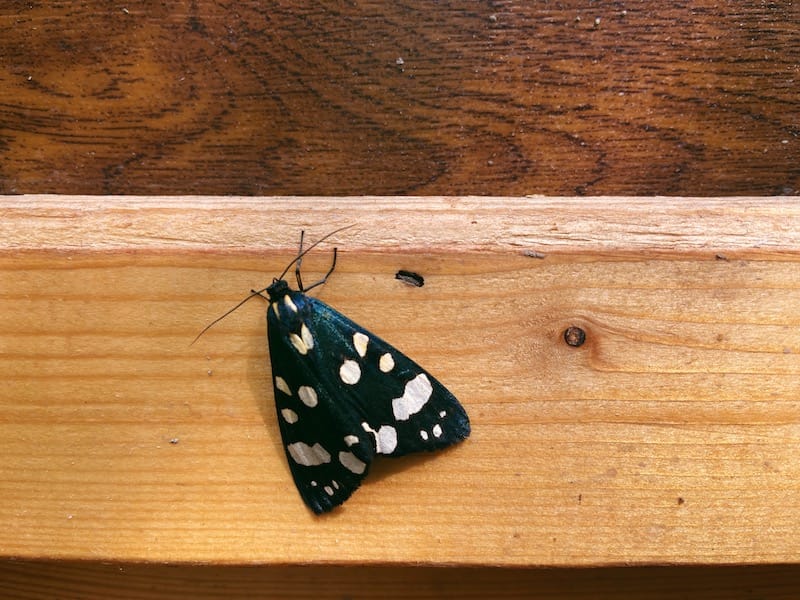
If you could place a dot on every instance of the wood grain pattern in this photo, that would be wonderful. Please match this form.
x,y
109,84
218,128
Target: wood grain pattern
x,y
475,224
671,435
332,98
38,580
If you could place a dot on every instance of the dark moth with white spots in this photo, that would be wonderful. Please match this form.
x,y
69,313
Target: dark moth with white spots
x,y
343,396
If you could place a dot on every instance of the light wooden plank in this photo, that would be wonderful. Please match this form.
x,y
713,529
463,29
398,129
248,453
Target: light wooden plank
x,y
486,224
671,435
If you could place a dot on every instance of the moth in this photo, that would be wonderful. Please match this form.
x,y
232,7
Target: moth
x,y
344,396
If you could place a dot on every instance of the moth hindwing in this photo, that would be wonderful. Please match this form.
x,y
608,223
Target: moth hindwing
x,y
343,396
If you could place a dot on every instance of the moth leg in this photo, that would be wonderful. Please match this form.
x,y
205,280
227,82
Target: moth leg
x,y
299,261
321,281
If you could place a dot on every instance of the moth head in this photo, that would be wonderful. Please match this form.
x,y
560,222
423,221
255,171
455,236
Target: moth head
x,y
277,289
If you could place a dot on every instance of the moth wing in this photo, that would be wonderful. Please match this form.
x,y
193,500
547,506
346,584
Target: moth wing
x,y
401,406
326,455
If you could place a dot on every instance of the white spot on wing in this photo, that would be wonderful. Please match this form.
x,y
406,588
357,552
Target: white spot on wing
x,y
281,384
275,309
289,415
442,414
385,438
437,430
386,363
350,440
288,302
308,456
328,490
360,342
299,344
351,462
307,395
416,395
306,336
350,372
423,434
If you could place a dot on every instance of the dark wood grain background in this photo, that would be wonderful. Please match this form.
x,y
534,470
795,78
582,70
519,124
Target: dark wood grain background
x,y
451,97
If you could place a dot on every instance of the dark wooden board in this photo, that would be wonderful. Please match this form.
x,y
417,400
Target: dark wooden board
x,y
416,97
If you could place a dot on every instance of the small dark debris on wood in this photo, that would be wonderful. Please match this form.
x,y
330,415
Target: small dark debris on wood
x,y
410,278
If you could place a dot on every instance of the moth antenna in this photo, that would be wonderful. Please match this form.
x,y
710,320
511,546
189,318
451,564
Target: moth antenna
x,y
218,319
260,292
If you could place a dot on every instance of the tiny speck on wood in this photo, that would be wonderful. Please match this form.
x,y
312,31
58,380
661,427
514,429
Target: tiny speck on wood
x,y
680,501
720,256
533,253
574,336
410,278
174,441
